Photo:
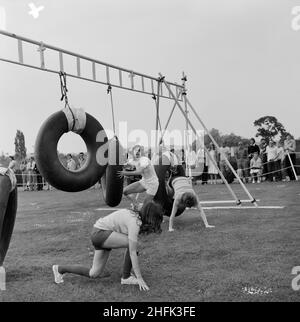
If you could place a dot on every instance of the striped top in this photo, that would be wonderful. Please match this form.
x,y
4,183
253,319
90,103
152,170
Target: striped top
x,y
181,185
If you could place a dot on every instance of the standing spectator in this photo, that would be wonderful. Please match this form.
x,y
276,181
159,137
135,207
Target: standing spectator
x,y
212,169
81,159
263,156
290,148
252,148
182,158
71,164
271,151
24,173
12,163
30,175
256,166
241,156
224,153
279,161
39,179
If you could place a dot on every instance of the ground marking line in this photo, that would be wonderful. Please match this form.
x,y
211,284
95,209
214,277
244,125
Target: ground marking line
x,y
207,208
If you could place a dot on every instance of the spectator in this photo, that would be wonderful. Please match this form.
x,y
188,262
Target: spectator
x,y
279,161
290,148
271,151
24,173
81,159
255,167
39,178
191,159
30,175
71,164
182,158
224,153
263,156
252,148
241,156
204,175
12,163
212,169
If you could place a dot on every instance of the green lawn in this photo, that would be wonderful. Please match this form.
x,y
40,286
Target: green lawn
x,y
249,248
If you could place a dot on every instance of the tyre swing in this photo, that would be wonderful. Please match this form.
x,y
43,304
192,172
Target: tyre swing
x,y
92,133
111,183
8,210
163,164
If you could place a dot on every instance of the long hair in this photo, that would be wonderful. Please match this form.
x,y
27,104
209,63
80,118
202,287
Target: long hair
x,y
151,216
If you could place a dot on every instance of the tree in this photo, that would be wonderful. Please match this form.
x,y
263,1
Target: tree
x,y
215,134
20,149
233,140
269,128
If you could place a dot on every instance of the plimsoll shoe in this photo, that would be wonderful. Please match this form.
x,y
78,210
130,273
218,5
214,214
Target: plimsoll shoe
x,y
58,278
131,280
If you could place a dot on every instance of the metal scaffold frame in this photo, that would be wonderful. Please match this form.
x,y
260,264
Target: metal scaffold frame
x,y
134,76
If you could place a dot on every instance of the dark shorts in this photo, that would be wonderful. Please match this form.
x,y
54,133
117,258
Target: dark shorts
x,y
98,237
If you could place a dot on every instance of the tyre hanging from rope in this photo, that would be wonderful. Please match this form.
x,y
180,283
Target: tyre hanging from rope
x,y
111,183
161,168
8,209
94,136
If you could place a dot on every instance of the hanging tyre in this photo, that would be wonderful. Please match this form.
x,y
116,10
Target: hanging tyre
x,y
46,156
161,196
8,210
111,183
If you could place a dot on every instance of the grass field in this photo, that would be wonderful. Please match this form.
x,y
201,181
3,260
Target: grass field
x,y
248,256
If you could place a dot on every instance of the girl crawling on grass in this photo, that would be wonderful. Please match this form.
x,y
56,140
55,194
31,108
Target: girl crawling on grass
x,y
181,190
119,229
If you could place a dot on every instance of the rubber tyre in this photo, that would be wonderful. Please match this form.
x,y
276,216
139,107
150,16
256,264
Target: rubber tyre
x,y
8,210
47,158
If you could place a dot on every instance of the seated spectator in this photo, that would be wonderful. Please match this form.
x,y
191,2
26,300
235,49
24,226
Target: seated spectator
x,y
255,168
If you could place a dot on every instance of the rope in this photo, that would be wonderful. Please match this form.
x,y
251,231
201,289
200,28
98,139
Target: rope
x,y
109,91
64,96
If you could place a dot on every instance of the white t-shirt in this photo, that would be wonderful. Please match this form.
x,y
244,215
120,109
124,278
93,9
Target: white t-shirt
x,y
271,152
121,221
144,165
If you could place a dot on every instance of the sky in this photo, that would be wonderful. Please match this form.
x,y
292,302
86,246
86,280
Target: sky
x,y
241,58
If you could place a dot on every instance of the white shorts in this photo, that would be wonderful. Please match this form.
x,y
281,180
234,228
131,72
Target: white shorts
x,y
151,187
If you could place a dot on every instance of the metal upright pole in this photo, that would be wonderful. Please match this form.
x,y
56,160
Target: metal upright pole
x,y
157,115
197,136
187,148
292,165
226,160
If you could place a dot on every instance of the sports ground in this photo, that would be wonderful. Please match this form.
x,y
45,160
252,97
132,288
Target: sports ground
x,y
248,256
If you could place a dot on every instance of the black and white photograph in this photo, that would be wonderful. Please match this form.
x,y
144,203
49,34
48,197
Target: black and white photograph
x,y
149,153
